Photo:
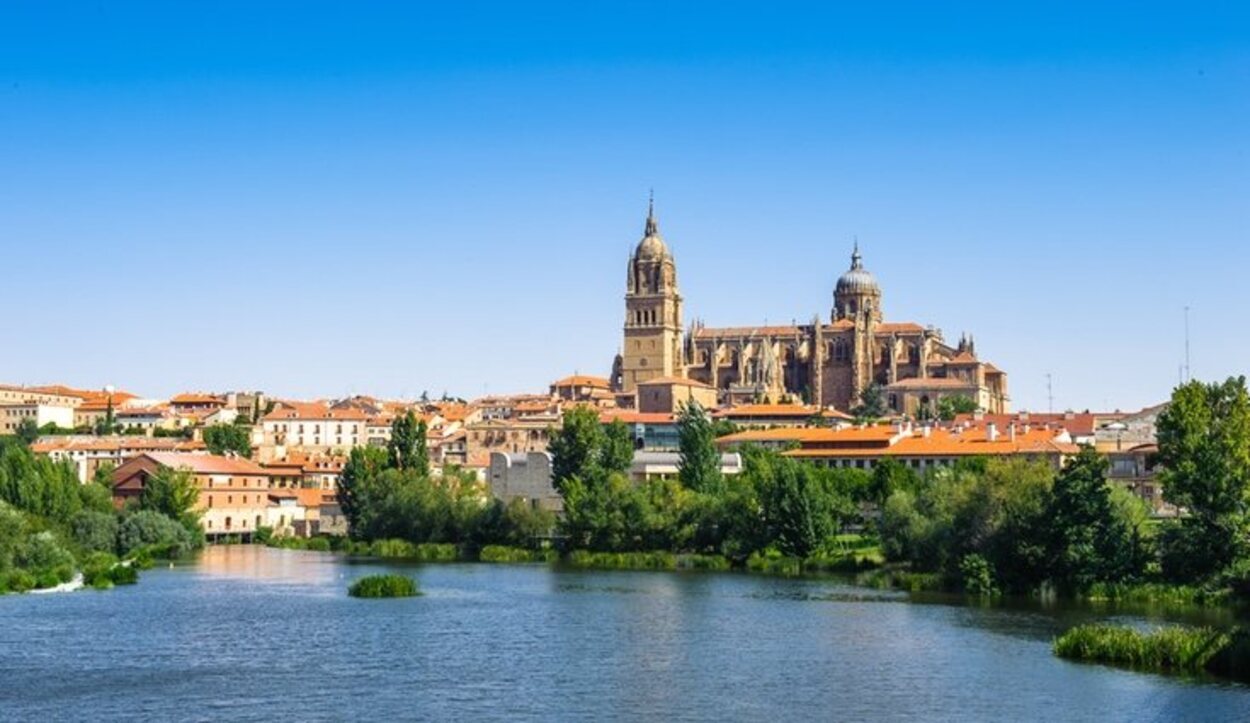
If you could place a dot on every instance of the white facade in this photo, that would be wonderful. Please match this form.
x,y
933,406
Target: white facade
x,y
12,415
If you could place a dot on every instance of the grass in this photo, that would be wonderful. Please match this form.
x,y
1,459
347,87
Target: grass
x,y
657,560
505,554
1174,649
1157,594
381,586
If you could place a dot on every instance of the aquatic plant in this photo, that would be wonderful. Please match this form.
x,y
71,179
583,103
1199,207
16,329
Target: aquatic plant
x,y
379,586
1173,649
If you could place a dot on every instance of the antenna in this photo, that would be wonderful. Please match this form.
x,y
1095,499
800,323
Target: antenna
x,y
1188,371
1050,394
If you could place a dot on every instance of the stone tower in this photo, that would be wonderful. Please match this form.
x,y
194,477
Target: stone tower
x,y
652,312
857,299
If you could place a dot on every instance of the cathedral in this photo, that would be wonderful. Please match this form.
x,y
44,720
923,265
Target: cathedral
x,y
826,363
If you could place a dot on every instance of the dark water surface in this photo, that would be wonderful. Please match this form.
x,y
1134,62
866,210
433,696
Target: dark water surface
x,y
251,633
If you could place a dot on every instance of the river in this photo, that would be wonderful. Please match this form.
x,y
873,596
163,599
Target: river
x,y
249,633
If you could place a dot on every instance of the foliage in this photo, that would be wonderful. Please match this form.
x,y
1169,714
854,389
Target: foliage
x,y
871,405
149,528
503,553
582,447
1204,450
224,438
699,467
952,405
94,531
1166,649
363,464
172,493
380,586
407,448
35,484
978,576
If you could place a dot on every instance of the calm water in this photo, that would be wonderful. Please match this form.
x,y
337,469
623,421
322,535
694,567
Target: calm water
x,y
252,633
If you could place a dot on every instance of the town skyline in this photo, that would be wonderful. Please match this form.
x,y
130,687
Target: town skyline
x,y
435,201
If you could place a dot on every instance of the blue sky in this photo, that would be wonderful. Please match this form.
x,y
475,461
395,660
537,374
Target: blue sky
x,y
322,199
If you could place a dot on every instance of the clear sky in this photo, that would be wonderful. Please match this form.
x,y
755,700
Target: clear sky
x,y
317,199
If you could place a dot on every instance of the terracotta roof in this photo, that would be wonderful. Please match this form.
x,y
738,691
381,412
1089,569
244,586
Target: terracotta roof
x,y
582,380
631,417
944,443
196,398
675,381
136,444
1077,424
767,410
207,463
313,410
909,327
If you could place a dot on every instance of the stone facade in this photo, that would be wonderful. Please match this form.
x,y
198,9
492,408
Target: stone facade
x,y
826,364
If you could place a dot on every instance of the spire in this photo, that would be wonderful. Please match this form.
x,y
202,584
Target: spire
x,y
652,229
857,261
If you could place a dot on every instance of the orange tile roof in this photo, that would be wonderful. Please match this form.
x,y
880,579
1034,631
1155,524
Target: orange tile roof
x,y
943,443
207,463
313,410
196,398
766,410
135,444
582,380
909,327
1078,424
631,417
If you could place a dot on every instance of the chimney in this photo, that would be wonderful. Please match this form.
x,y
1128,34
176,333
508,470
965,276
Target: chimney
x,y
991,432
926,431
1011,431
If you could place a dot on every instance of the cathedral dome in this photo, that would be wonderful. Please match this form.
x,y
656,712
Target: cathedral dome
x,y
652,246
858,280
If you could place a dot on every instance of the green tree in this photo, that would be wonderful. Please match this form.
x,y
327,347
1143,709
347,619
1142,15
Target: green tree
x,y
797,508
871,405
1091,541
948,407
407,448
94,530
889,476
173,493
224,438
27,431
1204,450
108,424
618,448
576,448
363,465
699,467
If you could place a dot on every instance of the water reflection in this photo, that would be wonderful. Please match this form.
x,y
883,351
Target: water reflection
x,y
253,633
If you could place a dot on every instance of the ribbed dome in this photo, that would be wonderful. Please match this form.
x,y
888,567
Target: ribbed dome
x,y
858,280
652,246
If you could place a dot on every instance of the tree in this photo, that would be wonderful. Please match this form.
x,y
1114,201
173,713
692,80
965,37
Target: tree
x,y
797,508
226,438
173,493
576,448
407,448
871,404
1204,450
699,468
1091,542
617,453
27,431
362,466
889,476
107,425
950,406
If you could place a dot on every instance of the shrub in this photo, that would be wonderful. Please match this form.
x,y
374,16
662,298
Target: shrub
x,y
19,581
503,553
658,560
96,569
1165,649
44,555
978,576
702,562
377,586
94,531
263,536
318,544
124,575
150,529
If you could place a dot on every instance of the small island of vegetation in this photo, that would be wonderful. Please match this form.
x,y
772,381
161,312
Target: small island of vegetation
x,y
379,586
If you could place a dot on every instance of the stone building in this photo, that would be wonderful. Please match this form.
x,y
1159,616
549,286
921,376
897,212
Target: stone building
x,y
823,363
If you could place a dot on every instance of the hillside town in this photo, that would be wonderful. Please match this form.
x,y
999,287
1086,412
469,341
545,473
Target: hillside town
x,y
848,392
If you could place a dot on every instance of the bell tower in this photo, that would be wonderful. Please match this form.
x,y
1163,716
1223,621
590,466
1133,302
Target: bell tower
x,y
652,311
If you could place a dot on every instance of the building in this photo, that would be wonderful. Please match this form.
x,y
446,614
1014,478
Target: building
x,y
87,453
653,326
313,426
191,402
823,363
525,476
767,416
512,436
669,395
52,396
652,465
581,388
918,447
13,414
655,432
234,492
